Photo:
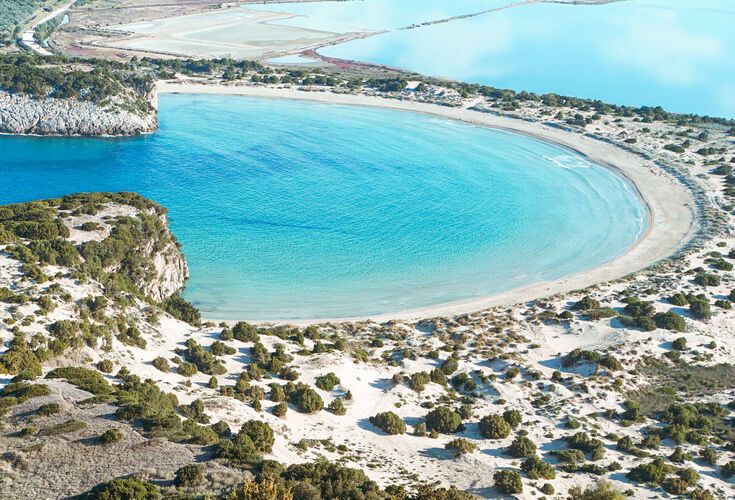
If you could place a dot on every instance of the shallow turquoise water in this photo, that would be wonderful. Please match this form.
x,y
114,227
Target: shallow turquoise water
x,y
300,210
672,53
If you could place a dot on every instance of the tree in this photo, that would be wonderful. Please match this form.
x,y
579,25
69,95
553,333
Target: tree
x,y
494,427
389,423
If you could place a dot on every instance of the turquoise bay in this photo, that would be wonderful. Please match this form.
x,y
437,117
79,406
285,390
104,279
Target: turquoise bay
x,y
291,210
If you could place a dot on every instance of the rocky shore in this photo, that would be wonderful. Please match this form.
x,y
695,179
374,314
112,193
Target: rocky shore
x,y
25,115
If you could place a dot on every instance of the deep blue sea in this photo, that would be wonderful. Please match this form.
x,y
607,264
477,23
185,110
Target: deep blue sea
x,y
290,209
671,53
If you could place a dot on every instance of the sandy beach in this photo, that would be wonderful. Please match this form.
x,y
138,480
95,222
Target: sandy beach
x,y
671,207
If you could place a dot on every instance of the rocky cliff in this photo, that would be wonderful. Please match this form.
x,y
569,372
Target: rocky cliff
x,y
167,268
22,114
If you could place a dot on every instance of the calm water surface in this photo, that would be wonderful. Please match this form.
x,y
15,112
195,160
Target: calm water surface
x,y
673,53
302,210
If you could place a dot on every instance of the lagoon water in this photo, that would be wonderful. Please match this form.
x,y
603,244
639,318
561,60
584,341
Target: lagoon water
x,y
290,209
672,53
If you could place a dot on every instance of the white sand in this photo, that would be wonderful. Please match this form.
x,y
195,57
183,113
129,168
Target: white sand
x,y
670,205
230,32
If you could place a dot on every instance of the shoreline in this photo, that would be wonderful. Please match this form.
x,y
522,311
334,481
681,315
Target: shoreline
x,y
670,206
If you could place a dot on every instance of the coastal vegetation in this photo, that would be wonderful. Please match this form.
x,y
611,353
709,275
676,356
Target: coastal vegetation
x,y
628,381
13,13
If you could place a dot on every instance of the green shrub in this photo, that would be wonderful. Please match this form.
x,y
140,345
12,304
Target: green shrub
x,y
241,450
449,366
123,489
71,425
182,309
494,427
443,420
388,422
640,308
707,279
700,309
19,358
260,433
48,409
460,446
585,304
522,447
547,489
513,417
84,378
709,455
327,382
105,366
602,490
337,407
306,399
654,472
280,409
189,476
670,321
162,364
535,468
131,336
205,361
419,380
245,332
569,456
508,482
728,470
678,299
111,436
187,369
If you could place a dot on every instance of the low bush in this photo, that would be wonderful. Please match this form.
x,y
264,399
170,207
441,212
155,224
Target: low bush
x,y
306,399
182,309
522,447
189,476
443,420
535,468
111,436
162,364
494,427
508,482
388,422
460,446
84,378
327,382
123,489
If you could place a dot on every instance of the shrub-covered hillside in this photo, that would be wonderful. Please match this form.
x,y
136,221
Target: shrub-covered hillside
x,y
12,15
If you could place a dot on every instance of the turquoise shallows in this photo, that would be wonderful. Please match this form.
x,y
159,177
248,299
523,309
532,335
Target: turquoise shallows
x,y
290,209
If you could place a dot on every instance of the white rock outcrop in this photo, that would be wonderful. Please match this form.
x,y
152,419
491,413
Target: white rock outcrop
x,y
25,115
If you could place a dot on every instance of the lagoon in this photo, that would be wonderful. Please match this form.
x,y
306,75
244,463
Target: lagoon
x,y
670,53
293,210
